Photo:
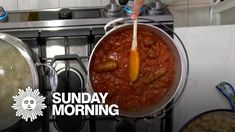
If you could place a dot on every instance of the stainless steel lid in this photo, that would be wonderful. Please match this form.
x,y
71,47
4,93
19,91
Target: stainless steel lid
x,y
17,71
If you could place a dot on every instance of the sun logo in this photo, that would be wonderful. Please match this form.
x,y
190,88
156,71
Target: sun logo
x,y
29,104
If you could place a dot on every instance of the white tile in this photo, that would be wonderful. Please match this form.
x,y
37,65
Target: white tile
x,y
42,4
37,4
104,2
199,1
67,3
185,2
9,4
180,14
199,15
89,2
227,17
79,3
178,2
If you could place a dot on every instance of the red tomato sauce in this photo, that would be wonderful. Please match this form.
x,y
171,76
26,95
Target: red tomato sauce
x,y
110,73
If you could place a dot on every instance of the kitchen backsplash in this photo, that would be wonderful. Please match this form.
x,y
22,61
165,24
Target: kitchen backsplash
x,y
43,4
186,12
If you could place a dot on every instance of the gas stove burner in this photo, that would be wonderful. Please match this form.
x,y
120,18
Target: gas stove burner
x,y
112,10
156,8
31,126
124,125
70,81
69,123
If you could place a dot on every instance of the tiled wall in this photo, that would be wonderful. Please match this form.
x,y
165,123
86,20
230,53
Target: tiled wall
x,y
186,12
42,4
191,12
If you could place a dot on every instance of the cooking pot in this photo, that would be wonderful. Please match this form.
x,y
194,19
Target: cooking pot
x,y
217,120
19,68
181,71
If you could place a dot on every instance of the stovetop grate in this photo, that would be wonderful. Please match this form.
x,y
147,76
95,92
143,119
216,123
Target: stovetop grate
x,y
37,38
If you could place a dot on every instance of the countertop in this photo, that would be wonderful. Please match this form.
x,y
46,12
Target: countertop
x,y
211,52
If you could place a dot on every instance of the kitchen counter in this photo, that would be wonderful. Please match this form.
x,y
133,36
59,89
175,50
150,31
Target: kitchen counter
x,y
211,53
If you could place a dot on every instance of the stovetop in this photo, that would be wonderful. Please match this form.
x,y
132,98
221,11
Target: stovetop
x,y
67,44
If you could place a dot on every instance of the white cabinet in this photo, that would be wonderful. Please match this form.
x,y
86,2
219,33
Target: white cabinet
x,y
9,4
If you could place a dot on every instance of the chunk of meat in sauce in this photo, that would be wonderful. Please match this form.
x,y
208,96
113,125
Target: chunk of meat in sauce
x,y
152,53
150,77
106,66
151,96
149,40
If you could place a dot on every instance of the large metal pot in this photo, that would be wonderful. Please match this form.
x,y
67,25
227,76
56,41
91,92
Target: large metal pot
x,y
18,70
181,71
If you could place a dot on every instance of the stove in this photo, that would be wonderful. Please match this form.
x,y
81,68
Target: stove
x,y
65,38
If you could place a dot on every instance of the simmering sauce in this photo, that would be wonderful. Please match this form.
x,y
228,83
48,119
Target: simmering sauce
x,y
110,72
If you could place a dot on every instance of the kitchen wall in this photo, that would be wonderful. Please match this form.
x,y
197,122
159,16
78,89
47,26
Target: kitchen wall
x,y
191,12
186,12
42,4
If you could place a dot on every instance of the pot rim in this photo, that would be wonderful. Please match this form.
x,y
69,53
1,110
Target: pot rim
x,y
183,77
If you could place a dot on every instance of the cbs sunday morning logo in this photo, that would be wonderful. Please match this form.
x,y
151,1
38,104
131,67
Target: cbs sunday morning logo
x,y
29,104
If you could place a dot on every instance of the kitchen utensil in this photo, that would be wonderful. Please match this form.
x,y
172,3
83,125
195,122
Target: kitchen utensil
x,y
134,60
228,91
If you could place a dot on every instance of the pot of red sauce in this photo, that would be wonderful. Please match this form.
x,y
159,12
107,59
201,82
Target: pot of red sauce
x,y
163,70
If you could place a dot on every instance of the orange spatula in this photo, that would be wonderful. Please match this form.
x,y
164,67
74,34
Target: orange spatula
x,y
134,60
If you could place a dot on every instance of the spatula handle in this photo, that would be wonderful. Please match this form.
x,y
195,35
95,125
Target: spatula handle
x,y
134,41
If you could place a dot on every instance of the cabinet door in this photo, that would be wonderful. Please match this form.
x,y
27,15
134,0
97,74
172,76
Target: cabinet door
x,y
37,4
9,4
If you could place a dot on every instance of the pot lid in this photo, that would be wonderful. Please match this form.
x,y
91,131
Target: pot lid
x,y
15,73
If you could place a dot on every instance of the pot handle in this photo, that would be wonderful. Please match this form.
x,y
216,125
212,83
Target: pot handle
x,y
114,22
53,78
228,91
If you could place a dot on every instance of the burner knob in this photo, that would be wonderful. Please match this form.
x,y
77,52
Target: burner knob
x,y
65,13
130,5
3,15
155,8
112,9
